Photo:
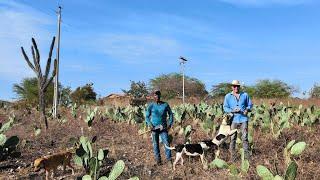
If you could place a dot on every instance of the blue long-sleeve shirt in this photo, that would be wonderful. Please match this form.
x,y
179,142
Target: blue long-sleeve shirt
x,y
231,103
157,114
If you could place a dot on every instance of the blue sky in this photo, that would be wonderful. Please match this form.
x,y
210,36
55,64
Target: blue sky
x,y
110,42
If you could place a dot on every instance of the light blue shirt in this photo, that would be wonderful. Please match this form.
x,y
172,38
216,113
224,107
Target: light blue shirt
x,y
156,114
231,103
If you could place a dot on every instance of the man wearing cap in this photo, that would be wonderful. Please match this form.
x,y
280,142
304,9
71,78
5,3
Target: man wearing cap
x,y
238,103
156,118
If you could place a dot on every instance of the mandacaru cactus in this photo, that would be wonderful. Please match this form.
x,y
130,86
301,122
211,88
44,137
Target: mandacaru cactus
x,y
43,79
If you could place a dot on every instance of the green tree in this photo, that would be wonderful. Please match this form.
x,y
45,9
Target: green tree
x,y
137,89
251,90
28,90
170,86
315,91
84,94
273,89
221,89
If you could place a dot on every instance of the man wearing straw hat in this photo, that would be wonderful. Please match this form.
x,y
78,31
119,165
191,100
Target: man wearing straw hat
x,y
238,103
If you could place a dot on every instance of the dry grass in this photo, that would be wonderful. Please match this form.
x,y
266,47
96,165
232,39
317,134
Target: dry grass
x,y
124,143
193,100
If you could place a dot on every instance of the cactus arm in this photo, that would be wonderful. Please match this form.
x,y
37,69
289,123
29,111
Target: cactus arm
x,y
36,57
49,59
36,66
35,62
37,51
27,60
46,84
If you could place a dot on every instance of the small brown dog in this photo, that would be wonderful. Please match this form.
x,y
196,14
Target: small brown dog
x,y
51,162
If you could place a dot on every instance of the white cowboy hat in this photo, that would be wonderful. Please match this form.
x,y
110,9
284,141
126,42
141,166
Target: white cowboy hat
x,y
235,83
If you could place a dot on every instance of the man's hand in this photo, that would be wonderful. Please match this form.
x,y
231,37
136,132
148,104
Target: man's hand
x,y
236,110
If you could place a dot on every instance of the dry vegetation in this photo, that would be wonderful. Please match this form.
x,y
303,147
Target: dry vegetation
x,y
124,143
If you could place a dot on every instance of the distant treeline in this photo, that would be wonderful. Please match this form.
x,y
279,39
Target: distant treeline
x,y
170,86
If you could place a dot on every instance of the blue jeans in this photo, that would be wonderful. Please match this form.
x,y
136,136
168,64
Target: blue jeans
x,y
155,141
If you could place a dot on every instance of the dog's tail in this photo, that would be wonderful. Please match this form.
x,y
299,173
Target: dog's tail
x,y
171,148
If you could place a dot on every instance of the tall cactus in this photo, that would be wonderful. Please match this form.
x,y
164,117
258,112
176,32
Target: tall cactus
x,y
43,80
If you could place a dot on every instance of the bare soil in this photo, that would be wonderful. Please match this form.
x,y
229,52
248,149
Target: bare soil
x,y
123,142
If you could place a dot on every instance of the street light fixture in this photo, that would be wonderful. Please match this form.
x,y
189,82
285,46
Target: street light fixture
x,y
183,61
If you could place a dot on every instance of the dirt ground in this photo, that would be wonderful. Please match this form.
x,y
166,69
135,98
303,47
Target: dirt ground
x,y
123,142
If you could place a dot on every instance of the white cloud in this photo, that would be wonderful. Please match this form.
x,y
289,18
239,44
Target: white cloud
x,y
259,3
137,49
18,24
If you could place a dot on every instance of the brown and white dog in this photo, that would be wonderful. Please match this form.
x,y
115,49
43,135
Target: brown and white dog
x,y
51,163
199,148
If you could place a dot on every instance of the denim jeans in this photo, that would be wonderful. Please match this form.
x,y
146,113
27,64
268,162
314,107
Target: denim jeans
x,y
244,137
155,141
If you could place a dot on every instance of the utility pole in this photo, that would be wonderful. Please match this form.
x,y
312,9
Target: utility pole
x,y
182,64
56,79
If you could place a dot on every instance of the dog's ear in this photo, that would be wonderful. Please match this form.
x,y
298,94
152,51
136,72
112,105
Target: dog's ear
x,y
220,137
229,115
229,118
38,164
224,116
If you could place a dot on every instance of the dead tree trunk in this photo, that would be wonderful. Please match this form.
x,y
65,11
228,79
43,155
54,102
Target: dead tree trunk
x,y
43,80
